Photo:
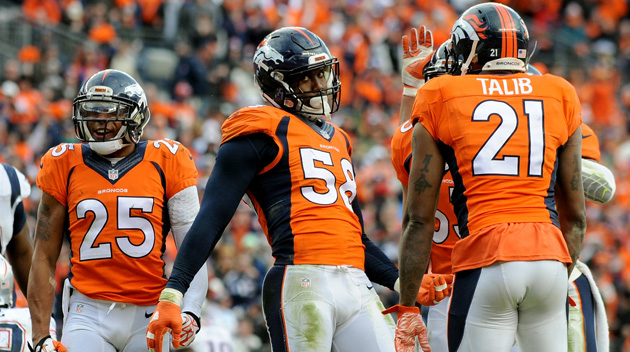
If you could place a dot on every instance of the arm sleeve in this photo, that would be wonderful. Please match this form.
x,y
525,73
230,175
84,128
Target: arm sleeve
x,y
238,161
182,209
378,267
598,182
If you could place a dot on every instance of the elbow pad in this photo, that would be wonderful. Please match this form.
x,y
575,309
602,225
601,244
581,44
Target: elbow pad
x,y
598,182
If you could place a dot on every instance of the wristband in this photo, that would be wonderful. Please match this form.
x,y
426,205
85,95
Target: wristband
x,y
410,91
172,295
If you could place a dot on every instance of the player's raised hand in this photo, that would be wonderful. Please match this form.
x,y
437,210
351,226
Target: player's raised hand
x,y
434,288
167,317
409,327
417,52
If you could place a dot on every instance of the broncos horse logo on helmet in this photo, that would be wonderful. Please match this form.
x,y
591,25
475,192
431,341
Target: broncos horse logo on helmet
x,y
489,37
284,57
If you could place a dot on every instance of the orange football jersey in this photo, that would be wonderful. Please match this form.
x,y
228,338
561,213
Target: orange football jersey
x,y
446,230
500,135
304,197
117,215
590,144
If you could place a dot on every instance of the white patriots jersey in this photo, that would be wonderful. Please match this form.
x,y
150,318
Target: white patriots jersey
x,y
218,326
211,338
16,329
13,188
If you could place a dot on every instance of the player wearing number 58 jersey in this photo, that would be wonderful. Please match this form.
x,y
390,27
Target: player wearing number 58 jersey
x,y
116,198
296,169
513,144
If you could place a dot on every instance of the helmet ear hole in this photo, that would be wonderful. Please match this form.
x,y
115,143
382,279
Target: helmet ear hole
x,y
279,96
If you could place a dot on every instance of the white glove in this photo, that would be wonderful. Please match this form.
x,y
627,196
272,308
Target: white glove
x,y
598,182
417,52
47,344
190,328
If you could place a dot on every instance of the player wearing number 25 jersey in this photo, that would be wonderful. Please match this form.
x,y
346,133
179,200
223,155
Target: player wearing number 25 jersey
x,y
116,198
295,168
117,215
513,145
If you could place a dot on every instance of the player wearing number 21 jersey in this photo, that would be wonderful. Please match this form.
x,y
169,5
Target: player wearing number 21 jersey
x,y
513,145
503,152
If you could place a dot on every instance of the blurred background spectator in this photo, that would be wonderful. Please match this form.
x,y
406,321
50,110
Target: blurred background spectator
x,y
194,59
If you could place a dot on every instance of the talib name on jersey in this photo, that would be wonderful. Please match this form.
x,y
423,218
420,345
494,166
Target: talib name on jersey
x,y
506,86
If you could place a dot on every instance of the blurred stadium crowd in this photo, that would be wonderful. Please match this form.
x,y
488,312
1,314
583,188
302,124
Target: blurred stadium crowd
x,y
193,58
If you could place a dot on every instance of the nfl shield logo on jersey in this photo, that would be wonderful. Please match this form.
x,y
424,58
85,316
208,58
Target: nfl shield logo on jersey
x,y
113,174
306,282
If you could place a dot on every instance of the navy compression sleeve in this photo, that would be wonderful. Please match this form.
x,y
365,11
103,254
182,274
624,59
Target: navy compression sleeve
x,y
238,161
378,267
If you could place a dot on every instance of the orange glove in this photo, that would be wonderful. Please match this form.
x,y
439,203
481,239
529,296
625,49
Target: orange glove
x,y
167,317
434,288
190,328
47,344
416,54
408,327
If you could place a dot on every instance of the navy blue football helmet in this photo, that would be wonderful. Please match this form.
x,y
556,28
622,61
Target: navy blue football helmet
x,y
487,37
440,62
284,57
116,94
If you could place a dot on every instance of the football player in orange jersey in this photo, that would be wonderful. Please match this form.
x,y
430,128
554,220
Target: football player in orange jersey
x,y
513,145
295,168
439,279
116,198
588,324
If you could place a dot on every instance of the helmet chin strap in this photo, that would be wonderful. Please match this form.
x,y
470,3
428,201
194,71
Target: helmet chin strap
x,y
466,64
317,108
106,148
